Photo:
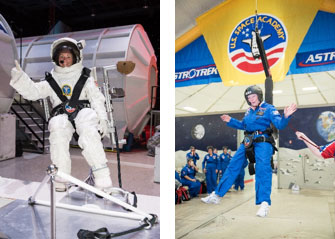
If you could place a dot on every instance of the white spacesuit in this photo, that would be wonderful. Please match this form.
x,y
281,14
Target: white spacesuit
x,y
89,120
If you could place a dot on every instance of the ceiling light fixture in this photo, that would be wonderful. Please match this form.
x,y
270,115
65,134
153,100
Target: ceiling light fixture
x,y
93,12
309,88
145,6
275,92
189,109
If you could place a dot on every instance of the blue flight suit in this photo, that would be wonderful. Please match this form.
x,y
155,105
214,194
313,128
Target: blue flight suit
x,y
258,119
194,157
176,176
194,187
239,181
224,160
210,163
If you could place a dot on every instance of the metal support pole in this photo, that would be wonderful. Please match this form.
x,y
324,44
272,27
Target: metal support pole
x,y
52,208
109,106
31,200
113,130
52,171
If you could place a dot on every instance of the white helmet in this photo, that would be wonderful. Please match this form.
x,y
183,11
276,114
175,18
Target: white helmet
x,y
70,44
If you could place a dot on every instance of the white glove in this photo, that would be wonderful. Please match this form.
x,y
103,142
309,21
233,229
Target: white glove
x,y
16,73
103,128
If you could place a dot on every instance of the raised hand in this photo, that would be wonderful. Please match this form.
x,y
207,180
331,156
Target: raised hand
x,y
17,66
289,110
16,73
225,118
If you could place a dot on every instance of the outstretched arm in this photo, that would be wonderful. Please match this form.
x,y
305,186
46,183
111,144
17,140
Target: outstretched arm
x,y
234,123
30,90
308,142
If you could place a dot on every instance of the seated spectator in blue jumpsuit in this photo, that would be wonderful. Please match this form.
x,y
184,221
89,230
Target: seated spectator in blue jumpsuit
x,y
224,160
210,168
256,123
193,155
177,180
325,151
239,182
176,176
188,178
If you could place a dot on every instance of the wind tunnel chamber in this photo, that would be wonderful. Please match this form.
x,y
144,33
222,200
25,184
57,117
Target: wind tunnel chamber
x,y
106,47
8,55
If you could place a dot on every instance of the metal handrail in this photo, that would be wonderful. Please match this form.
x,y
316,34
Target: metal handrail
x,y
30,116
33,107
42,141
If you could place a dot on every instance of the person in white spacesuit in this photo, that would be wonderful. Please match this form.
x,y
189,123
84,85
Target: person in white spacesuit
x,y
88,113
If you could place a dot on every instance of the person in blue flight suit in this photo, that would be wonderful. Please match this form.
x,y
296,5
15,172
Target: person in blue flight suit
x,y
188,178
193,155
224,160
239,181
210,168
256,124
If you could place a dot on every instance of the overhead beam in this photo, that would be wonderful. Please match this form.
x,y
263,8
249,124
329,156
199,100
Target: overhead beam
x,y
187,38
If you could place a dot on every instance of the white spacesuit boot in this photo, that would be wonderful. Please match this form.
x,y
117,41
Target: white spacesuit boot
x,y
96,158
90,142
61,132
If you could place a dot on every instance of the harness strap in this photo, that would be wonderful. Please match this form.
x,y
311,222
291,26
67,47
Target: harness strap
x,y
268,131
55,86
134,201
74,102
103,232
267,140
59,109
79,86
249,149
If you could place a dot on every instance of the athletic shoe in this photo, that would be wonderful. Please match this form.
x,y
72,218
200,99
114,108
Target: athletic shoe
x,y
263,210
211,199
205,199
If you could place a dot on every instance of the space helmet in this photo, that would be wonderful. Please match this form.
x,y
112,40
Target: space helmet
x,y
254,89
69,44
